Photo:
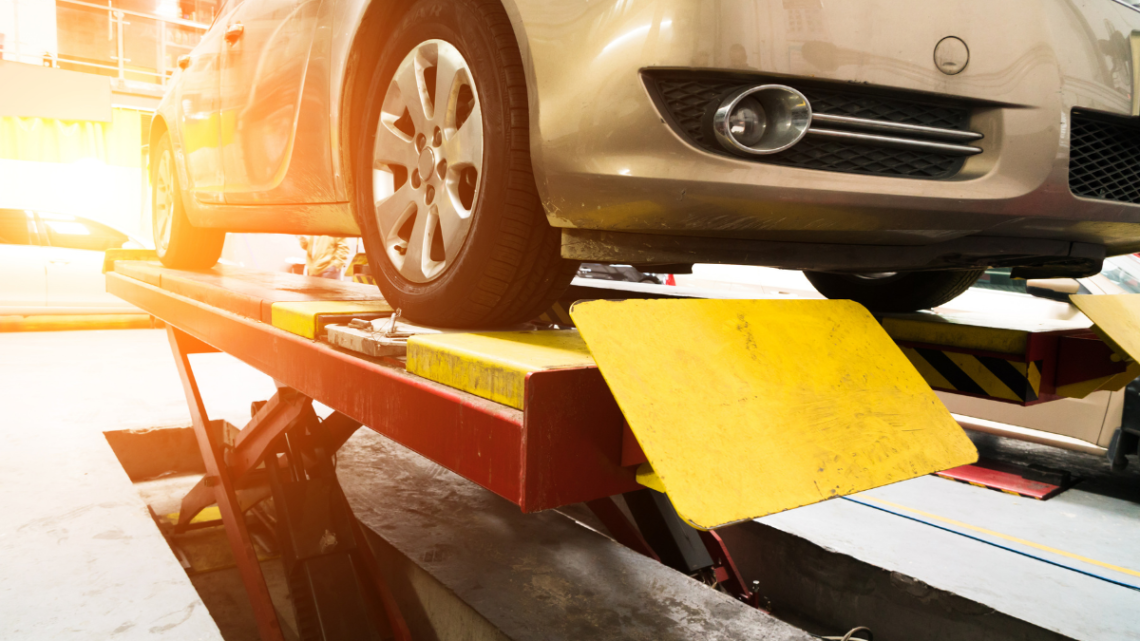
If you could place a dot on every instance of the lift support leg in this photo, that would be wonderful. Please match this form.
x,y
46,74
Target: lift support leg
x,y
325,551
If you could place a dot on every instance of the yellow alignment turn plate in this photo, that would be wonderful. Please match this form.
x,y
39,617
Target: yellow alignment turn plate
x,y
750,407
307,318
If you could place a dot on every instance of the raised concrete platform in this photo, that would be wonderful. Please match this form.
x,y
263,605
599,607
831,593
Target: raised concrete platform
x,y
466,564
935,559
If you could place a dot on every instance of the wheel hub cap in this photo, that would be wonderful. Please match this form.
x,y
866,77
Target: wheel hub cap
x,y
427,161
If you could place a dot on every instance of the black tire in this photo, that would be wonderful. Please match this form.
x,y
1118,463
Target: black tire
x,y
509,269
902,292
189,247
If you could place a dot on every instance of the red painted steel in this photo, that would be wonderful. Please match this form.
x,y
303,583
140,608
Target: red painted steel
x,y
631,453
245,557
270,422
1084,357
572,440
566,450
1004,481
725,568
620,527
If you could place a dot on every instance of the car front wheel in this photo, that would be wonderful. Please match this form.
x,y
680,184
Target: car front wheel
x,y
896,292
446,197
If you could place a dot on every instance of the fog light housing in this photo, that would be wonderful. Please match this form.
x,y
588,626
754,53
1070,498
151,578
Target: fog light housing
x,y
761,120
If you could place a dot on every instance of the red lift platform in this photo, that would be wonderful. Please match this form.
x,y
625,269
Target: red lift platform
x,y
540,433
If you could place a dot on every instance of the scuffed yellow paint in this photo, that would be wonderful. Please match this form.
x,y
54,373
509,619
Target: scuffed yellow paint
x,y
306,318
494,365
747,408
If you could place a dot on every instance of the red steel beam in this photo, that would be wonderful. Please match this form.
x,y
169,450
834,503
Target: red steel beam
x,y
225,494
478,439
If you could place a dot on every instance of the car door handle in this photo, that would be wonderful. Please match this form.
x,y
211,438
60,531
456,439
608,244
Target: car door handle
x,y
183,61
233,32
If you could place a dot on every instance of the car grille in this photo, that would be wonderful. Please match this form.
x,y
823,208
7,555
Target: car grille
x,y
687,100
1104,157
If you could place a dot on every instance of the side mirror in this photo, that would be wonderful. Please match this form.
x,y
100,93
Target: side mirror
x,y
1057,289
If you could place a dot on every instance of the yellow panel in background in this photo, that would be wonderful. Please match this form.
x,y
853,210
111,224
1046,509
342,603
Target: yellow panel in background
x,y
1116,319
750,407
964,331
306,318
494,365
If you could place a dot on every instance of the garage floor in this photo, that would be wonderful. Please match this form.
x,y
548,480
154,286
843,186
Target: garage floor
x,y
82,558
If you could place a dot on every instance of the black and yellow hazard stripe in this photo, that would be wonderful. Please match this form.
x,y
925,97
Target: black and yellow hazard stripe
x,y
980,375
359,270
556,315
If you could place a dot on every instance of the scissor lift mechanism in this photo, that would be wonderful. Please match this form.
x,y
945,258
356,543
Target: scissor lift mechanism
x,y
541,433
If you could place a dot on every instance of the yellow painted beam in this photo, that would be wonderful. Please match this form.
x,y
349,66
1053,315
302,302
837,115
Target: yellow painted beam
x,y
307,318
1117,320
971,332
494,365
750,407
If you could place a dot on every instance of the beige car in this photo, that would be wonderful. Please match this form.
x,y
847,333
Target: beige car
x,y
483,147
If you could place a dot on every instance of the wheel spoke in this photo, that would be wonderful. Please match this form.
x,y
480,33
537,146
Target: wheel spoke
x,y
390,211
165,232
413,268
392,146
447,67
465,145
453,224
409,79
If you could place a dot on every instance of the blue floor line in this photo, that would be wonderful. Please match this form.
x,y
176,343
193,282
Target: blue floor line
x,y
996,545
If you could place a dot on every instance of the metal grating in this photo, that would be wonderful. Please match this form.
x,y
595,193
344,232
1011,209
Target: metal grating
x,y
1104,157
687,100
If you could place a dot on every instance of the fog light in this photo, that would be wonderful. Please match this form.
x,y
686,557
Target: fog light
x,y
747,122
761,120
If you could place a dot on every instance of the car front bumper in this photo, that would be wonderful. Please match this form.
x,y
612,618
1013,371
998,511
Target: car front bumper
x,y
607,160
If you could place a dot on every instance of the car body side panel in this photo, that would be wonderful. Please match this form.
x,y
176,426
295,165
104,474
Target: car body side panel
x,y
310,197
275,106
195,117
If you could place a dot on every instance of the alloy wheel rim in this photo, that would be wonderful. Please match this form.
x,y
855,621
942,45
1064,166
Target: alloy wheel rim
x,y
427,161
164,204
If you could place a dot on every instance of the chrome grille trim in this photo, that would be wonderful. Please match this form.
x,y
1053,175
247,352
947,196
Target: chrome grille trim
x,y
896,143
886,126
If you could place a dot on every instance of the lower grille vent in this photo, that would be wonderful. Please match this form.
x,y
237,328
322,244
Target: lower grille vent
x,y
687,99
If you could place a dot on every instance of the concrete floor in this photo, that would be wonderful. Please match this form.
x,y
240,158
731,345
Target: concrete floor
x,y
1069,565
82,558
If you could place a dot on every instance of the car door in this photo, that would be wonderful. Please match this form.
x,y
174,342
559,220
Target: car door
x,y
264,66
22,262
75,263
199,101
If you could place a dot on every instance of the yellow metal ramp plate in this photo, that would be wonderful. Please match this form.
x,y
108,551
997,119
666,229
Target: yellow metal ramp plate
x,y
749,407
494,365
1116,319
